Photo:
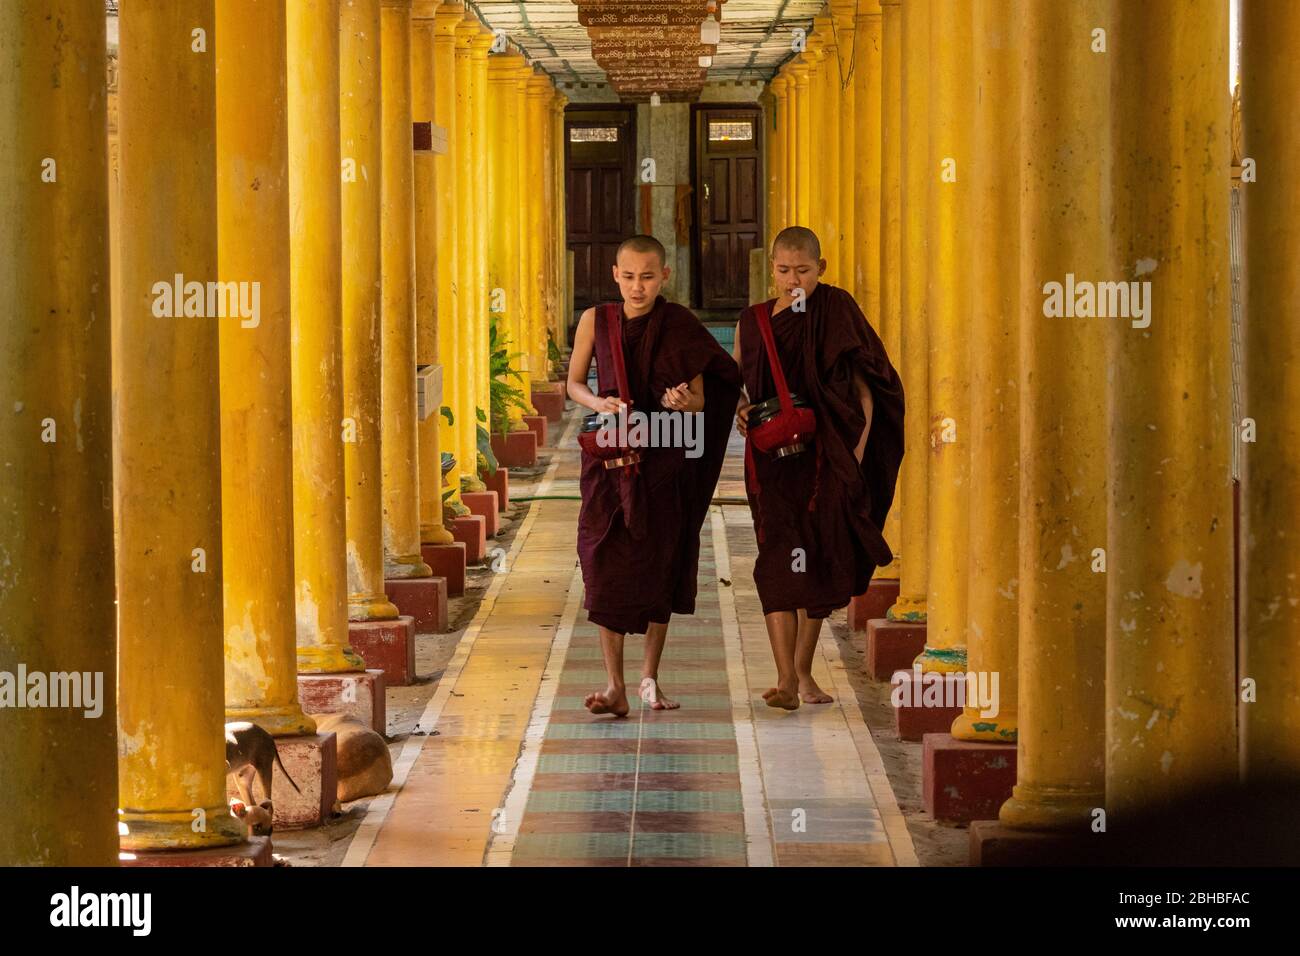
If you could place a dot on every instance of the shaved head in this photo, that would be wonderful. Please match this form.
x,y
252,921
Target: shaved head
x,y
643,244
798,239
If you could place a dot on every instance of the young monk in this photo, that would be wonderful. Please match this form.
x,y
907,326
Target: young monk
x,y
639,527
818,515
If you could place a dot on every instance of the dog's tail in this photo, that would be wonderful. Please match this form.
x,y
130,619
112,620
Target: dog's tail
x,y
282,770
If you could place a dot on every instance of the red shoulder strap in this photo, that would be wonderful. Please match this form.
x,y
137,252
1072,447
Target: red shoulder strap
x,y
773,361
614,330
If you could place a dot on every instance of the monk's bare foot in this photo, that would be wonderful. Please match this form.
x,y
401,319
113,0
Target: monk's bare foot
x,y
783,697
810,693
654,695
612,701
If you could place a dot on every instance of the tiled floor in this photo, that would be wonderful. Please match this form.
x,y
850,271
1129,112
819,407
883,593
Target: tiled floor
x,y
512,769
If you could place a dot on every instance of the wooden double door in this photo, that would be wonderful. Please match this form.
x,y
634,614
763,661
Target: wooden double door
x,y
600,157
728,202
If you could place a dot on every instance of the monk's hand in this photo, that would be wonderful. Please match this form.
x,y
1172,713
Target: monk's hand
x,y
742,419
676,397
609,405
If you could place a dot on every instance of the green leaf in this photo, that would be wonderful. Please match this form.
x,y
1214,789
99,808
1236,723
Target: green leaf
x,y
446,413
485,449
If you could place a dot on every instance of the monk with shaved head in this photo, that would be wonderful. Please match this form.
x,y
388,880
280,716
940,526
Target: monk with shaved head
x,y
639,526
819,498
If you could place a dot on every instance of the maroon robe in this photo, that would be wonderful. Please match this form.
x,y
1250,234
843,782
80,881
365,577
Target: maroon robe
x,y
823,501
639,530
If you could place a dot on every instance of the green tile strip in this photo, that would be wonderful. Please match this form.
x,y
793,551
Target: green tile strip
x,y
711,820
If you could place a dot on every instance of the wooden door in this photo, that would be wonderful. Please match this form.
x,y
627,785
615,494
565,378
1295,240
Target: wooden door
x,y
600,155
728,202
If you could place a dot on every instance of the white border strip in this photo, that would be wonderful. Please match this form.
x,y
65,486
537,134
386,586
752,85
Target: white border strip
x,y
759,840
501,844
895,824
363,840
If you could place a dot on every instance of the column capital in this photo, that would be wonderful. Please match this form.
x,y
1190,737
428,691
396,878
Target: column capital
x,y
539,85
778,85
425,9
873,10
447,18
396,4
824,27
466,30
502,67
479,45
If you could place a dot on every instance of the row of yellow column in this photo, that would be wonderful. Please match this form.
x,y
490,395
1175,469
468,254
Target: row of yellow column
x,y
247,478
1066,512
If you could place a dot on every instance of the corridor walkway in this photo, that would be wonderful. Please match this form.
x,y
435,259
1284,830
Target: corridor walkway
x,y
508,769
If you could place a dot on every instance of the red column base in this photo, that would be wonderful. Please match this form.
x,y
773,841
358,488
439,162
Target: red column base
x,y
447,562
892,646
388,646
992,844
424,599
359,695
312,762
471,531
549,400
537,425
965,780
484,504
880,597
256,852
914,718
515,449
499,481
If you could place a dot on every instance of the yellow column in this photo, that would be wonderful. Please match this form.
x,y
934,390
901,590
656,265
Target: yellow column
x,y
427,254
778,175
993,611
815,57
256,400
1064,165
949,290
479,45
539,91
844,102
468,300
359,140
56,519
450,334
561,239
1170,654
502,206
315,256
826,184
549,206
401,484
802,132
167,428
914,351
521,341
1270,67
867,210
879,75
790,137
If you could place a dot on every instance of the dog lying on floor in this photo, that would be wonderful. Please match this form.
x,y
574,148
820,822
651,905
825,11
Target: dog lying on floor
x,y
365,767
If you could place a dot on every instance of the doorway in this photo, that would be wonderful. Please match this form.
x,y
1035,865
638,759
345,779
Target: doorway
x,y
728,204
599,162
